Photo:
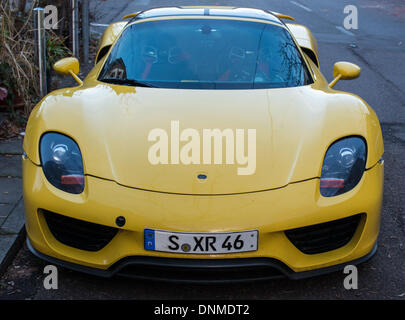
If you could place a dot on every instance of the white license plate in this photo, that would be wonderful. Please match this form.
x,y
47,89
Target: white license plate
x,y
201,243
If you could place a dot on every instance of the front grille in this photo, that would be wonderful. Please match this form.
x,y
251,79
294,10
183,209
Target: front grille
x,y
324,237
201,271
78,234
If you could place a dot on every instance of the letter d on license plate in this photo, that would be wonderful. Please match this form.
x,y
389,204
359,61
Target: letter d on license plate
x,y
200,243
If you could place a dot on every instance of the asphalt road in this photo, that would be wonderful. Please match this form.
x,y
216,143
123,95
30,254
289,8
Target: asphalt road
x,y
378,46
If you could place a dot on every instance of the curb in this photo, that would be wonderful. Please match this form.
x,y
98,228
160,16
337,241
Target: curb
x,y
14,247
12,222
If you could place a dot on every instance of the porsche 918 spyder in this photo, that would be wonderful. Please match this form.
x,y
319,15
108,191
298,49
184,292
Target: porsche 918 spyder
x,y
204,145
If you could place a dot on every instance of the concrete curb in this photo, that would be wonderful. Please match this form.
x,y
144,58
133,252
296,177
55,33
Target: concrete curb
x,y
12,220
14,245
12,236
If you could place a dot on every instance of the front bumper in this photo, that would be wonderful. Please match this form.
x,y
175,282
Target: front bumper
x,y
199,271
270,212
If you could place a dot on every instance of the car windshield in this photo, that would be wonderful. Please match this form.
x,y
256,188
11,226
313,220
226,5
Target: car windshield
x,y
205,54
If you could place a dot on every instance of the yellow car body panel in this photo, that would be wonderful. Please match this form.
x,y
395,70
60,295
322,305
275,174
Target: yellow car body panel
x,y
305,40
270,212
110,34
295,127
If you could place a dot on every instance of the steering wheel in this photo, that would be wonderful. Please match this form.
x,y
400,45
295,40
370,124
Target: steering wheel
x,y
150,54
175,55
236,54
235,62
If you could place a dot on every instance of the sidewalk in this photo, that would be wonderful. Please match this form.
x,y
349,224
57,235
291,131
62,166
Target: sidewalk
x,y
12,229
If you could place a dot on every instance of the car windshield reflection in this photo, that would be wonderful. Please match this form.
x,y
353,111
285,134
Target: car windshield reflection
x,y
205,54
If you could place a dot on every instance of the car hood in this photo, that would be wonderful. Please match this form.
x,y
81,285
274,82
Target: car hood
x,y
114,127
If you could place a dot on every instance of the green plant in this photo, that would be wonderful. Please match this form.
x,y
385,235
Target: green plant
x,y
56,49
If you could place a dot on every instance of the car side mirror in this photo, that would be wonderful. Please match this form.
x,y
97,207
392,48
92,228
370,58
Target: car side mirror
x,y
344,71
68,66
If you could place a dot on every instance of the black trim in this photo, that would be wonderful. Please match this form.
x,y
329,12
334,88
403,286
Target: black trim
x,y
118,269
79,234
311,55
102,52
324,237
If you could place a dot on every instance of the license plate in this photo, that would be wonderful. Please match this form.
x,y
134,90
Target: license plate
x,y
201,243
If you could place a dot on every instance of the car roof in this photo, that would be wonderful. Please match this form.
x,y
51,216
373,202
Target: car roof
x,y
216,11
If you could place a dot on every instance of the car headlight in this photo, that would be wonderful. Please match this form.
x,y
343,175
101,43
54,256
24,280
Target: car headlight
x,y
62,162
343,166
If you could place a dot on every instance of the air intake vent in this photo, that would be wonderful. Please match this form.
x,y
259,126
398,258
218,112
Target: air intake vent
x,y
79,234
324,237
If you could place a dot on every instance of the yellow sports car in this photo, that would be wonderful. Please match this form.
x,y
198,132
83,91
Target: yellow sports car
x,y
205,145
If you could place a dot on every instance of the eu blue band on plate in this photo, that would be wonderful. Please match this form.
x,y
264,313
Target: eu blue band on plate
x,y
149,239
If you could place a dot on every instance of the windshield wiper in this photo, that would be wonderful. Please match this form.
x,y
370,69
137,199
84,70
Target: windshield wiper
x,y
127,82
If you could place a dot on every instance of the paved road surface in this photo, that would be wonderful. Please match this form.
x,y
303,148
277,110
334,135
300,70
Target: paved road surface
x,y
378,46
